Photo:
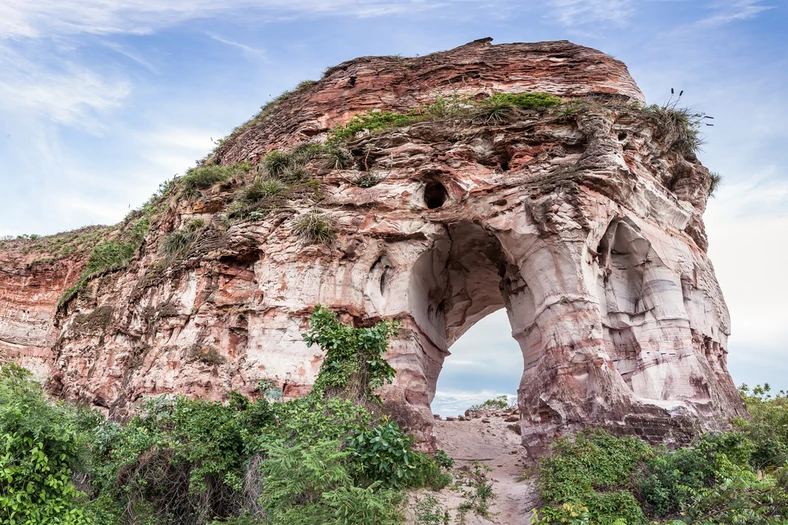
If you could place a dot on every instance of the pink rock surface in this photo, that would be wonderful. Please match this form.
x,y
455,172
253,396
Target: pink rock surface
x,y
586,228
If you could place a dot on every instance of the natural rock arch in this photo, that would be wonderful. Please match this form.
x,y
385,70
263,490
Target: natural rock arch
x,y
586,225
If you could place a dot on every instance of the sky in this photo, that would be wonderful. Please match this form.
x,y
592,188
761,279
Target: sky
x,y
103,100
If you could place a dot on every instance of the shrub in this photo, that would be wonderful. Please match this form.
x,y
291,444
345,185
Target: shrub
x,y
502,107
448,107
714,183
678,128
768,428
354,365
592,470
499,402
315,228
275,163
40,448
176,244
206,176
110,255
479,498
569,110
373,121
320,459
259,190
367,180
385,453
309,484
336,158
179,459
536,101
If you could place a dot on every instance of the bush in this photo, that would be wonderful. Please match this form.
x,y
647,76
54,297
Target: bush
x,y
206,176
502,107
678,128
315,228
177,243
354,365
40,449
499,402
180,459
373,121
385,453
310,484
322,459
367,180
110,255
592,471
768,428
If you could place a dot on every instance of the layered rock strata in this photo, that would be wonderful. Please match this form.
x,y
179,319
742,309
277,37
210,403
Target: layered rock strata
x,y
585,225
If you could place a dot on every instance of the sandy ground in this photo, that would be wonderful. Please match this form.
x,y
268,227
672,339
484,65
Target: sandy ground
x,y
488,440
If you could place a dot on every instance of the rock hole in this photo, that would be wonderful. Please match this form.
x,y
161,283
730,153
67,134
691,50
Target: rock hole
x,y
435,195
622,135
505,165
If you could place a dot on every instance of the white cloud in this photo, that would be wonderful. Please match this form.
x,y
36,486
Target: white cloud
x,y
239,45
747,225
36,18
733,12
581,12
66,93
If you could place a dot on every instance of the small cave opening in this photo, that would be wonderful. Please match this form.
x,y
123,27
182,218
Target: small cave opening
x,y
435,195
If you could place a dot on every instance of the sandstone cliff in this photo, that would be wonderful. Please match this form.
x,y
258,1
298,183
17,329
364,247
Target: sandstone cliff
x,y
584,221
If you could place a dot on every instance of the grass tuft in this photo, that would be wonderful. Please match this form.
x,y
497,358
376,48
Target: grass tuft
x,y
315,228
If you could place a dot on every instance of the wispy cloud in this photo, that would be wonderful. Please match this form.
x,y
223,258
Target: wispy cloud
x,y
581,12
36,18
248,49
733,12
65,92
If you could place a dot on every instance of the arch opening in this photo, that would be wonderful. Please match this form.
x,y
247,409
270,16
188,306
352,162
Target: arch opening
x,y
465,278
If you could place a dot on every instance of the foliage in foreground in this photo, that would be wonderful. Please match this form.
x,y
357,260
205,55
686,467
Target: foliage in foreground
x,y
40,449
600,479
329,458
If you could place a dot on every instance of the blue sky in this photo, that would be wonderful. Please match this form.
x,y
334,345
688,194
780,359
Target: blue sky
x,y
101,100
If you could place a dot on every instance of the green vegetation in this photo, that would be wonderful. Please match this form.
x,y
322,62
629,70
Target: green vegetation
x,y
373,121
678,128
315,228
714,184
499,402
476,490
502,107
110,255
176,244
329,458
498,108
283,174
41,448
428,511
204,177
723,478
367,180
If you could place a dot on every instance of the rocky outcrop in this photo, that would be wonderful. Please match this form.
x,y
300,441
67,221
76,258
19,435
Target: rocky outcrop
x,y
584,223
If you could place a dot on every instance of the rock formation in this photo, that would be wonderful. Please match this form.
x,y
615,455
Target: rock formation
x,y
584,222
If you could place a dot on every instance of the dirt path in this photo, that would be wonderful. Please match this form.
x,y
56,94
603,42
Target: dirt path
x,y
489,440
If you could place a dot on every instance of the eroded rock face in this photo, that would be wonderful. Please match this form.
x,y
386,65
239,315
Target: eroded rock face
x,y
585,226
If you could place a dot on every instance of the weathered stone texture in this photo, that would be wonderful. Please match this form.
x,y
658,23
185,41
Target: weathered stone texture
x,y
587,229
